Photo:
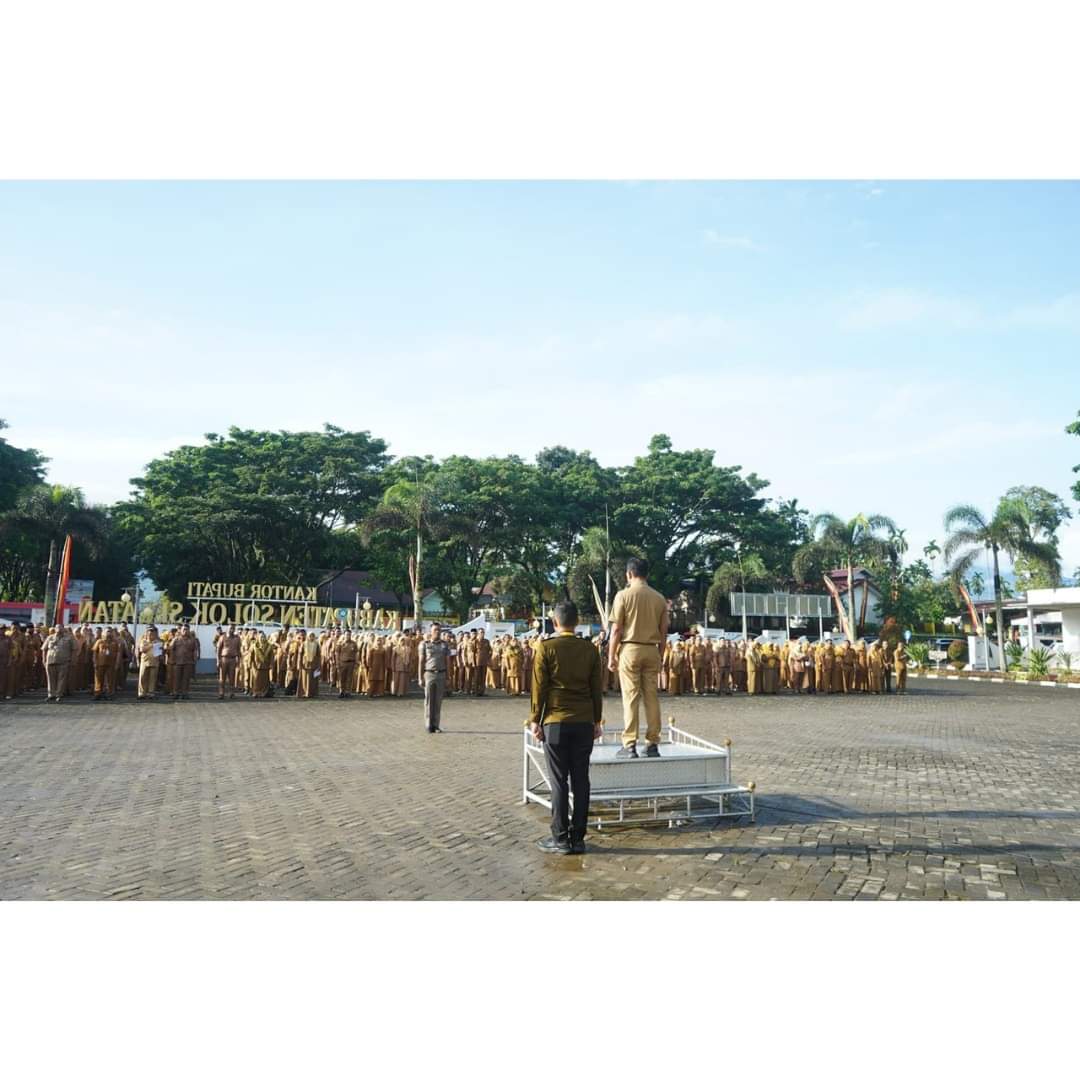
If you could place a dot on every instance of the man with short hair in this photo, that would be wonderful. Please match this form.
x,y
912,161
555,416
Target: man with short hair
x,y
183,653
228,657
483,660
149,651
105,666
432,660
639,626
566,716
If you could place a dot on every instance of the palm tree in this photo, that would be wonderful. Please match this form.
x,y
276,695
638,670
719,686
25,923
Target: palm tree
x,y
409,505
599,558
48,513
970,534
846,543
746,569
932,551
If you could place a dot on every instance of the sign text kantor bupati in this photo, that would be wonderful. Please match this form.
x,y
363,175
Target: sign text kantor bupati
x,y
240,602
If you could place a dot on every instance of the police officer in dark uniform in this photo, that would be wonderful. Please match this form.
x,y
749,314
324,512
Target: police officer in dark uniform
x,y
432,663
567,704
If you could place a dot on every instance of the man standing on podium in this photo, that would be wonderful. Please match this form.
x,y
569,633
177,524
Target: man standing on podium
x,y
567,703
639,626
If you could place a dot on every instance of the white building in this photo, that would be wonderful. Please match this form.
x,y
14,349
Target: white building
x,y
1067,602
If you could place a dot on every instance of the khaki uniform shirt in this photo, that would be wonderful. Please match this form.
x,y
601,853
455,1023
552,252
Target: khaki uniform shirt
x,y
637,611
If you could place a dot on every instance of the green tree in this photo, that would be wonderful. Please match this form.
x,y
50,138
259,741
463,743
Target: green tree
x,y
971,533
598,558
252,506
1074,429
774,534
42,518
1043,512
19,470
482,492
918,600
748,573
682,509
845,544
932,551
413,516
577,495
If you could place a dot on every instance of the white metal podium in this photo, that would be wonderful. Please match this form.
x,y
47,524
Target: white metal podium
x,y
691,780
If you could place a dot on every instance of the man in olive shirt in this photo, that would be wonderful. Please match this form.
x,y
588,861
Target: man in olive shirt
x,y
639,626
567,702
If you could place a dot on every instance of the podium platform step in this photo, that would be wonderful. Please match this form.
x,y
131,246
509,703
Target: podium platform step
x,y
690,780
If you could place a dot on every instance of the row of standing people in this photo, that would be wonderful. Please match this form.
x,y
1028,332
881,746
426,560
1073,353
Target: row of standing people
x,y
64,661
699,665
297,662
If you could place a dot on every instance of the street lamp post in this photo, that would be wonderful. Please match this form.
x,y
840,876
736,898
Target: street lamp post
x,y
742,583
127,598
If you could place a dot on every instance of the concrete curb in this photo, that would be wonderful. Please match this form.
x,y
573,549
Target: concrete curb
x,y
981,678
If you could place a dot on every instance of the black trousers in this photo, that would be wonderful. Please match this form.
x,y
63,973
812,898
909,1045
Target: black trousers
x,y
567,748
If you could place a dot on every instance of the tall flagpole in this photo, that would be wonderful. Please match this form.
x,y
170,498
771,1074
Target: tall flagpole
x,y
65,576
607,563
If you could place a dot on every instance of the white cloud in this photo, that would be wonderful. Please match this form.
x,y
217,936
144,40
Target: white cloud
x,y
1061,313
722,240
901,307
888,308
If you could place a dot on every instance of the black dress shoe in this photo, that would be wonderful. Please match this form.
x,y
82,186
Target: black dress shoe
x,y
626,752
577,847
550,846
653,750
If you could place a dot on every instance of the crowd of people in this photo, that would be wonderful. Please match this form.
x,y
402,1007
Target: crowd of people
x,y
699,665
296,662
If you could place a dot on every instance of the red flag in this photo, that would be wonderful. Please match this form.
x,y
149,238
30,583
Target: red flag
x,y
971,608
65,574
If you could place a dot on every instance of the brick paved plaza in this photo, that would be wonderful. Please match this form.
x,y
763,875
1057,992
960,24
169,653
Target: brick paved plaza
x,y
951,792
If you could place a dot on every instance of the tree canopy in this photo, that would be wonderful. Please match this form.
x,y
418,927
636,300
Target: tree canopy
x,y
253,506
282,507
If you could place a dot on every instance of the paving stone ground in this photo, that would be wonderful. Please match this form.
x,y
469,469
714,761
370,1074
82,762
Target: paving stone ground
x,y
953,791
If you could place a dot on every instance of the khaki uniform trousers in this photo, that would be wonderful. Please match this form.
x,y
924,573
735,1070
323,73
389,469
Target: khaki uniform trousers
x,y
434,692
346,677
147,679
227,675
105,679
639,666
309,683
56,676
182,677
697,678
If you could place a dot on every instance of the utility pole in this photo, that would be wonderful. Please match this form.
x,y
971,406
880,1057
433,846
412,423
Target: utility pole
x,y
742,584
607,564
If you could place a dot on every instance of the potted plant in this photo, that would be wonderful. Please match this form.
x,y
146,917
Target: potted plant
x,y
958,654
1039,663
919,652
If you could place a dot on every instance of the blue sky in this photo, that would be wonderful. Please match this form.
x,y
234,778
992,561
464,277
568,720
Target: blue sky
x,y
865,346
